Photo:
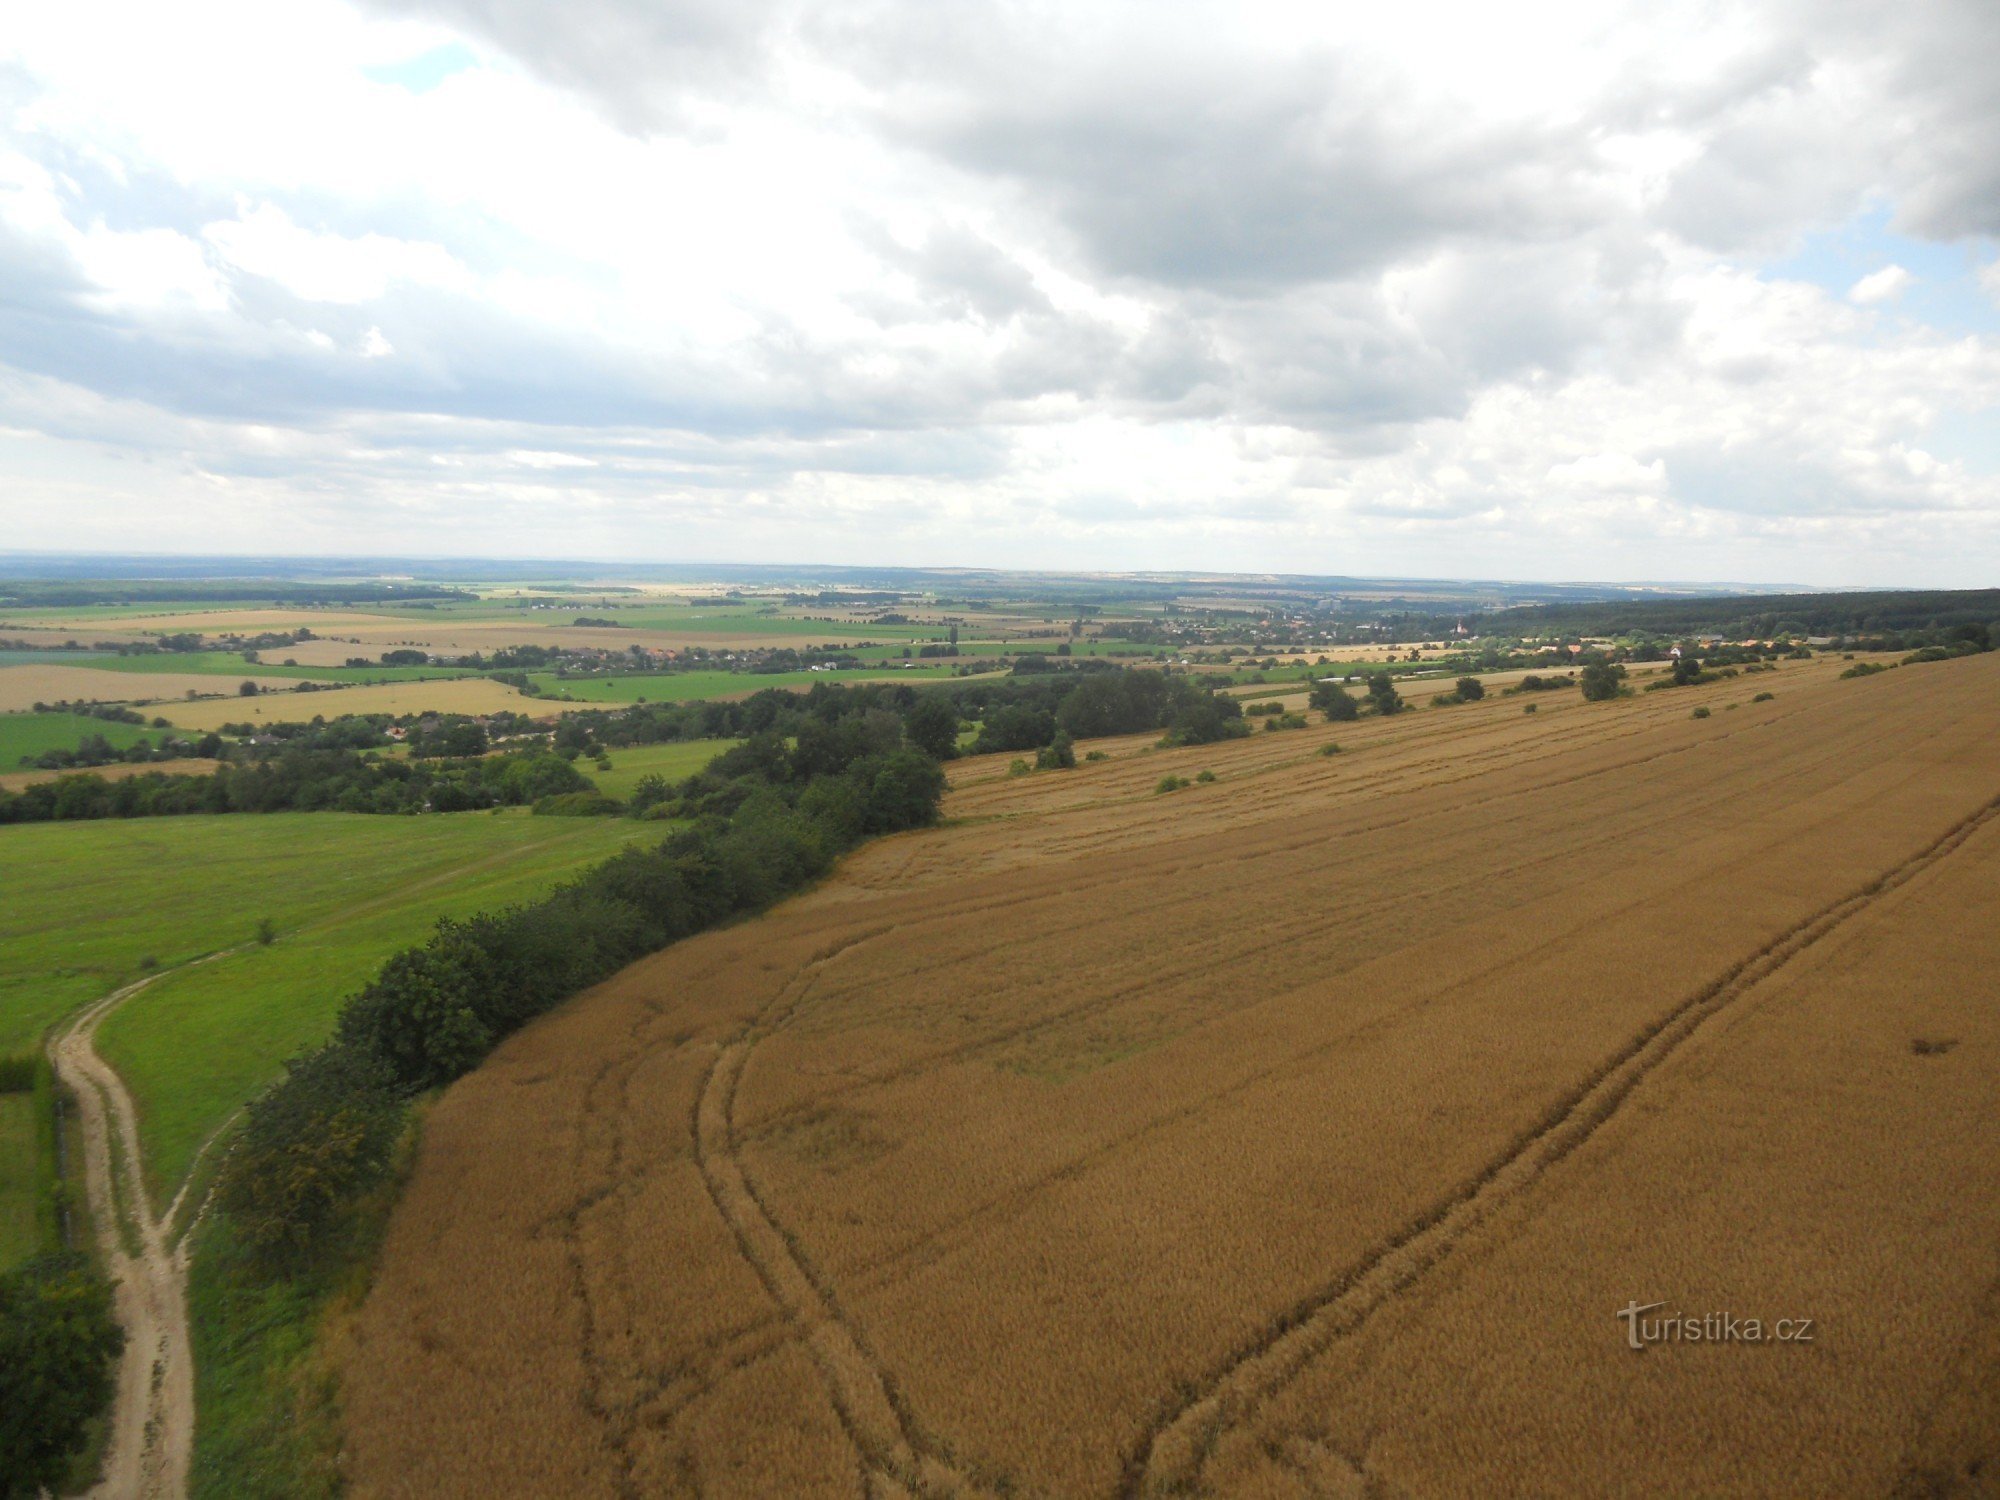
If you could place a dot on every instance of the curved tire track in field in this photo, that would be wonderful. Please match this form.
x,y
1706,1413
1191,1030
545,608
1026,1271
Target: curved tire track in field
x,y
1171,1457
152,1406
897,1463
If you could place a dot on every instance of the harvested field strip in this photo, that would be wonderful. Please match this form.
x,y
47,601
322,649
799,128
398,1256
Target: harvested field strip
x,y
1175,1452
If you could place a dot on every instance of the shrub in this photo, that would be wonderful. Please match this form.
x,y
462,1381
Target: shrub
x,y
310,1143
932,726
1528,708
1259,710
1018,768
1016,726
1329,748
651,791
1333,700
57,1341
1865,669
1599,681
1170,784
266,932
1204,776
1098,755
577,805
1700,713
1059,754
1763,697
1470,689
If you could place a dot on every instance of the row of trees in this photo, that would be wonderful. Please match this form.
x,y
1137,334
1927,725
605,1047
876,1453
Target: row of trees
x,y
767,819
299,780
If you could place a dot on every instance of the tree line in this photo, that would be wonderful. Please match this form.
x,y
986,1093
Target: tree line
x,y
764,824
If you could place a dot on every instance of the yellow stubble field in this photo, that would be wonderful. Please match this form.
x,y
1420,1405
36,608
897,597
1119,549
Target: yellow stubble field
x,y
454,695
1298,1133
24,686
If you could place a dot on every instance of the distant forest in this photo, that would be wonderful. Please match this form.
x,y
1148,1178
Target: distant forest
x,y
45,593
1760,615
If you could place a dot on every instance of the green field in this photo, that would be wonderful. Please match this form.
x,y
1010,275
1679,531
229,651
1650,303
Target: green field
x,y
232,664
343,891
11,658
676,762
31,734
678,687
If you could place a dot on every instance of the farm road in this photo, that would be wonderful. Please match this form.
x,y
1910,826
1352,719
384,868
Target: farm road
x,y
152,1412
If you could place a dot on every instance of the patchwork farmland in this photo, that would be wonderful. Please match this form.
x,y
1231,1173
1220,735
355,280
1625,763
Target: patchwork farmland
x,y
1298,1132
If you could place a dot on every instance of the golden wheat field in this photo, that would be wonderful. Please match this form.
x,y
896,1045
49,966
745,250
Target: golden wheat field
x,y
13,781
453,695
1299,1133
21,688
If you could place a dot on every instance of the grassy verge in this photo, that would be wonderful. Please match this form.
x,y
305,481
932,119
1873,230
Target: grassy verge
x,y
20,1179
267,1392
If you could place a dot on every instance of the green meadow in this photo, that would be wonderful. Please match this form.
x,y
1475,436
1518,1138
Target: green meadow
x,y
91,906
31,734
270,664
676,762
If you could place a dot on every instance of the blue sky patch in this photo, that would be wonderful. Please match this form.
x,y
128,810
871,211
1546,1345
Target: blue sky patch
x,y
426,71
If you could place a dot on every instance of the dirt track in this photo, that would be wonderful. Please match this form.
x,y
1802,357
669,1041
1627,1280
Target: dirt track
x,y
152,1414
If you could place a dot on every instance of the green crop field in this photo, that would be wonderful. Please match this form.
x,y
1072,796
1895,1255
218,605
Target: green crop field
x,y
677,687
232,664
676,762
31,734
342,891
12,658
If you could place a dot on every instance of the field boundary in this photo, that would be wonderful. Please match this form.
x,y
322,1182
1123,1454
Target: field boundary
x,y
1171,1456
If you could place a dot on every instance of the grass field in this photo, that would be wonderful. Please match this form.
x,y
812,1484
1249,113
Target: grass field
x,y
675,762
32,733
232,664
681,687
1296,1133
343,892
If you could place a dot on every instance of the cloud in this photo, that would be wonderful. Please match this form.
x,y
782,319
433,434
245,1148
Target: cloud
x,y
1416,288
1884,285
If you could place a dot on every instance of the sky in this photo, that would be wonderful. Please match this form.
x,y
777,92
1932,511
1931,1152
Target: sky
x,y
1605,290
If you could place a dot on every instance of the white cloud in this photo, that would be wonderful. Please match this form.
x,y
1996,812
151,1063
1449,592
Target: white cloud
x,y
328,267
1421,288
1884,285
